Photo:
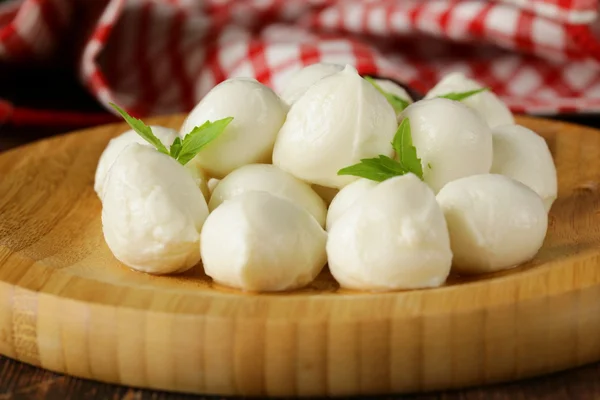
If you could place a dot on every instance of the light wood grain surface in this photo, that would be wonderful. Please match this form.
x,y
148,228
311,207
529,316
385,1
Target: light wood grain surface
x,y
67,305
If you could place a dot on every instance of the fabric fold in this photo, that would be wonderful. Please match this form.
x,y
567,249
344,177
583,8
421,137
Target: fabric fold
x,y
159,57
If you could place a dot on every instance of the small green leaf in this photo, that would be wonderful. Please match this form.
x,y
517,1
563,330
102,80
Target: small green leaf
x,y
391,165
175,148
405,151
142,129
383,167
370,168
396,102
199,137
459,96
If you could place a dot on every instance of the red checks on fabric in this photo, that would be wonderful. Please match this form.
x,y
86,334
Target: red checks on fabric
x,y
158,57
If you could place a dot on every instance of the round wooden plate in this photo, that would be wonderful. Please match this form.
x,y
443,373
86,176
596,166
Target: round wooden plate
x,y
66,304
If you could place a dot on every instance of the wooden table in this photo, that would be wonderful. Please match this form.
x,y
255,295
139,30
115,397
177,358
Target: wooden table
x,y
20,381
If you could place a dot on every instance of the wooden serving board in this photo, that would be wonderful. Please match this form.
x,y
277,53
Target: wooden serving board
x,y
67,305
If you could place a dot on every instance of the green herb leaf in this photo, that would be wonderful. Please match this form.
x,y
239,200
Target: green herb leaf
x,y
181,150
175,148
199,137
396,102
142,129
383,167
405,151
391,165
370,168
459,96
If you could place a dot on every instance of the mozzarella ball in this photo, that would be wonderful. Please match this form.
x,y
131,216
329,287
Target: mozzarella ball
x,y
212,184
257,113
116,145
326,193
394,237
152,212
269,178
337,122
395,89
346,197
305,78
521,154
494,221
260,242
451,140
486,103
199,177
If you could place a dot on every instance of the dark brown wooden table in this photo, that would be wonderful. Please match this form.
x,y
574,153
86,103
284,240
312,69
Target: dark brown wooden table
x,y
20,381
58,89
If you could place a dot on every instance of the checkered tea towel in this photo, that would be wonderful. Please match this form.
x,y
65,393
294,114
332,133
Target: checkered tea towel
x,y
157,57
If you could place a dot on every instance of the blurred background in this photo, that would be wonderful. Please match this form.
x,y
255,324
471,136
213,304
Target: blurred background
x,y
63,61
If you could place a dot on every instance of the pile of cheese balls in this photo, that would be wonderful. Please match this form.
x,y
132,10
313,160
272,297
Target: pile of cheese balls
x,y
264,209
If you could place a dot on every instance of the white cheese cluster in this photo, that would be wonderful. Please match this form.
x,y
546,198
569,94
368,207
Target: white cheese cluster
x,y
263,208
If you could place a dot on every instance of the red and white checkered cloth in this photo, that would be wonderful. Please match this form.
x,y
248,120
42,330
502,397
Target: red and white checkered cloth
x,y
156,57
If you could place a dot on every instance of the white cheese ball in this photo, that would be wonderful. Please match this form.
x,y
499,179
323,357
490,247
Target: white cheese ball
x,y
199,177
452,141
152,212
395,89
494,221
486,103
269,178
260,242
339,120
257,113
521,154
346,197
394,237
305,78
116,145
212,184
